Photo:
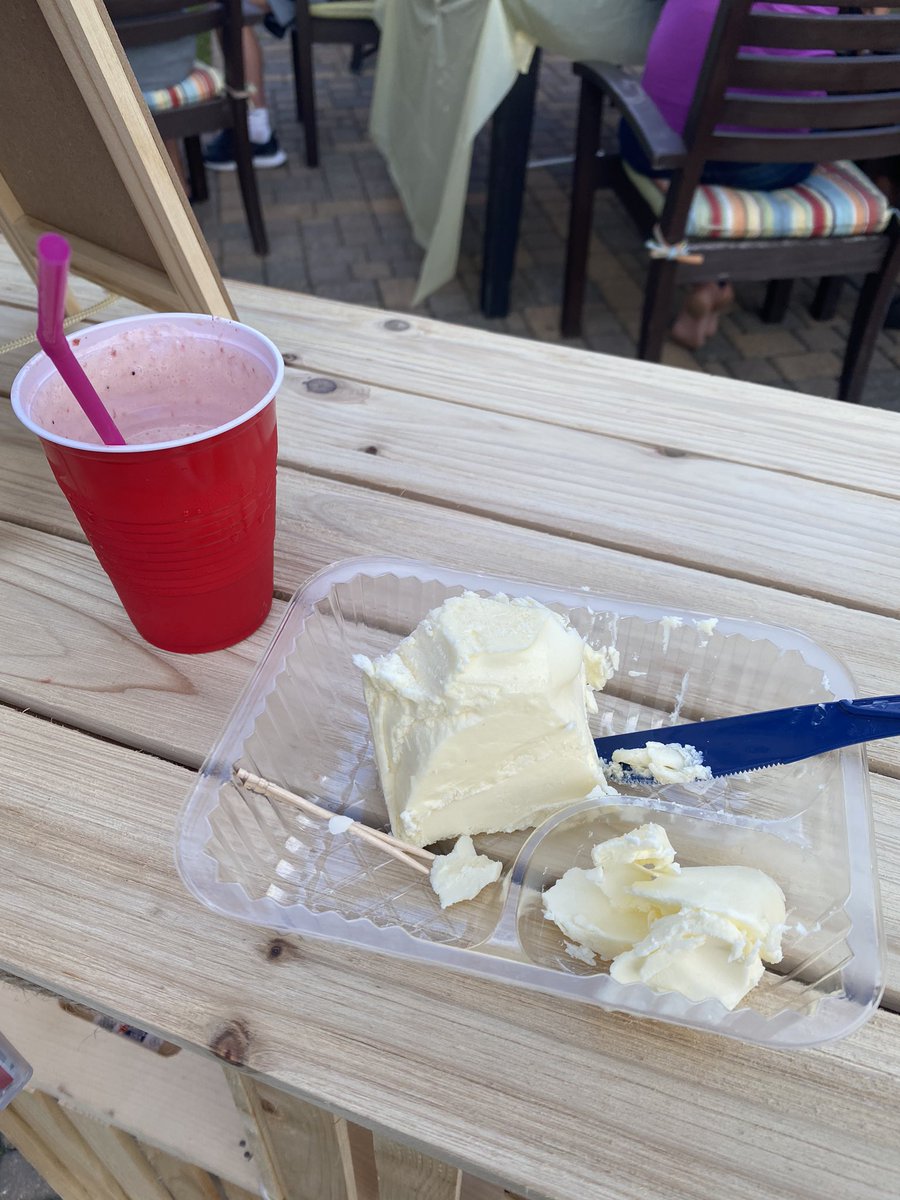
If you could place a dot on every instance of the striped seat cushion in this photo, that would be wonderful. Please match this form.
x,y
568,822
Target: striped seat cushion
x,y
837,200
203,83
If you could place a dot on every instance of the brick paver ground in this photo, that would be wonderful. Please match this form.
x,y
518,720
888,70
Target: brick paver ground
x,y
340,231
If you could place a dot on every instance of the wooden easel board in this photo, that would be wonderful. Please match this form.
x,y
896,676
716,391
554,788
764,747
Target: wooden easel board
x,y
80,155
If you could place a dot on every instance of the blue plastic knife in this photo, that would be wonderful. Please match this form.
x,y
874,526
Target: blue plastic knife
x,y
732,745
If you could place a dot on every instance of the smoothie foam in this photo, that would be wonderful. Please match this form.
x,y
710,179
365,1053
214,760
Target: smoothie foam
x,y
158,384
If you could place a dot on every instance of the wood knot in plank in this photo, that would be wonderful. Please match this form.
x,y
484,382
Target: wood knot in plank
x,y
395,325
320,386
671,452
279,950
290,358
232,1042
370,449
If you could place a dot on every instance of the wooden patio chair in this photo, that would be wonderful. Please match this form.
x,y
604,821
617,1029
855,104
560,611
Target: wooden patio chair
x,y
760,107
341,22
201,103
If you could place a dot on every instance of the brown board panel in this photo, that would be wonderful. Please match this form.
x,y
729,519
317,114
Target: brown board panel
x,y
79,153
49,142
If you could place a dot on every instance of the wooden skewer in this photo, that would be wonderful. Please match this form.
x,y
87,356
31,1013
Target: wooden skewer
x,y
390,840
375,837
257,784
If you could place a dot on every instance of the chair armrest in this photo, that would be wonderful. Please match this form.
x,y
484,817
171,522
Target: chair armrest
x,y
662,145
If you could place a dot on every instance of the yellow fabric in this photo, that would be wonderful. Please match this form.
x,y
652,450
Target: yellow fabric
x,y
346,10
445,65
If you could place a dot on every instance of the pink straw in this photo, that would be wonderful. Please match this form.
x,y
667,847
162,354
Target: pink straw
x,y
53,254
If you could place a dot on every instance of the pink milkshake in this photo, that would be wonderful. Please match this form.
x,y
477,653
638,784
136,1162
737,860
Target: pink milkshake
x,y
159,382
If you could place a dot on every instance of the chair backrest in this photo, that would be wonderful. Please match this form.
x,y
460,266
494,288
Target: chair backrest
x,y
151,22
770,105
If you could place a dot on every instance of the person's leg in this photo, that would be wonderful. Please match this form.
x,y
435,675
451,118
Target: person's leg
x,y
219,154
698,320
699,316
253,65
259,122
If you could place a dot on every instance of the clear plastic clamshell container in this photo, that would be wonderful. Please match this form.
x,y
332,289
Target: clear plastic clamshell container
x,y
302,723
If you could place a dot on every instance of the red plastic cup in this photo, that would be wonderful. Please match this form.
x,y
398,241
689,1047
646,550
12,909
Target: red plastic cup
x,y
184,527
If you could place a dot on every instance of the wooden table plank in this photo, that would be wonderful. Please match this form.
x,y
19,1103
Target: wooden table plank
x,y
17,323
375,1047
29,495
52,1125
122,1155
303,1152
183,1180
404,1172
559,385
47,1160
68,651
180,1104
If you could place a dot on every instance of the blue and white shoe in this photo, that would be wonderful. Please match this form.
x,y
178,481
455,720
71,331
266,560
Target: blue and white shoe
x,y
218,155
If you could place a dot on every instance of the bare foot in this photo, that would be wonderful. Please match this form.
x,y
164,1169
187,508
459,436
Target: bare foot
x,y
698,321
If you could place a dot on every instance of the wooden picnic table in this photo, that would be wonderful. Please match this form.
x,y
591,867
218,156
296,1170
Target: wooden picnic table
x,y
508,456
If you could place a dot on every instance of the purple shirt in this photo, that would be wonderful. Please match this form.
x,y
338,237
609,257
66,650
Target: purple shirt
x,y
678,46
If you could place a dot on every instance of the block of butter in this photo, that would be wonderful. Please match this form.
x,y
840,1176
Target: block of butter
x,y
479,718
